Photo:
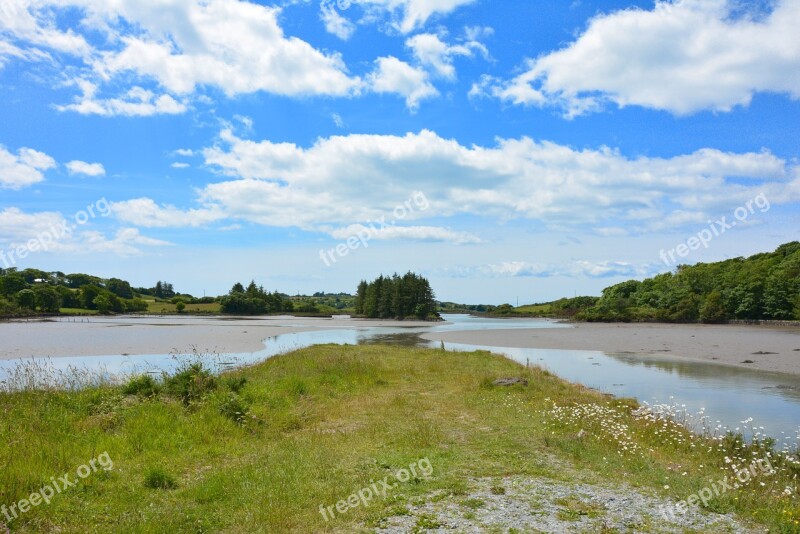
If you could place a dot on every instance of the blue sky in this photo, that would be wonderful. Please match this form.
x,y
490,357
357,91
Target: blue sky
x,y
513,150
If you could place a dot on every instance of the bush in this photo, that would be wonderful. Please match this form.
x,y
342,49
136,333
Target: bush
x,y
143,386
158,478
191,383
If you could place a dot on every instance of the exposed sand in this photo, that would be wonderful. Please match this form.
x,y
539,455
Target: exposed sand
x,y
725,344
98,336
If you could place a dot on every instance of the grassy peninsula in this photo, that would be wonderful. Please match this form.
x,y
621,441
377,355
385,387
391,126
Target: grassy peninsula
x,y
271,447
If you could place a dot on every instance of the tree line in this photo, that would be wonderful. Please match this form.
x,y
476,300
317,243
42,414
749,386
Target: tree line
x,y
396,297
29,291
253,300
763,286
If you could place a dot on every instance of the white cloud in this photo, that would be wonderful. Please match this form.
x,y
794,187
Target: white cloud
x,y
186,152
122,244
235,46
682,56
575,269
17,228
179,165
433,53
415,233
412,14
353,179
137,102
23,169
145,212
86,169
337,120
394,76
335,23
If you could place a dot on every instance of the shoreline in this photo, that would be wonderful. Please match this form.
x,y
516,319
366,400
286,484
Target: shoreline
x,y
775,349
769,348
133,335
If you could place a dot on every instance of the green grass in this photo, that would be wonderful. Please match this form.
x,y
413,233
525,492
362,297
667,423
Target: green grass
x,y
169,308
261,449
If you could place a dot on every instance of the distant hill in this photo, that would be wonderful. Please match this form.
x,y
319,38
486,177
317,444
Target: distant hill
x,y
762,287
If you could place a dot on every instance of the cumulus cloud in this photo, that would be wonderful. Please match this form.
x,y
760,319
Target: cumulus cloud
x,y
409,15
335,23
414,233
237,47
437,55
145,212
25,168
682,56
394,76
137,102
355,178
87,169
18,227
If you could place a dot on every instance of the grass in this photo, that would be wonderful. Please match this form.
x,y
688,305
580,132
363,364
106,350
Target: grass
x,y
157,307
261,449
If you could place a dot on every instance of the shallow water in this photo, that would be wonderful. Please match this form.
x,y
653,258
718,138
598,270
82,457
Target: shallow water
x,y
727,395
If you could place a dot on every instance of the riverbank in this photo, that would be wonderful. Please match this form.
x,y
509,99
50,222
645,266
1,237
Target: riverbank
x,y
373,438
134,335
756,347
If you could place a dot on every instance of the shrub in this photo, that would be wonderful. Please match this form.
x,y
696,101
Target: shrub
x,y
191,383
143,386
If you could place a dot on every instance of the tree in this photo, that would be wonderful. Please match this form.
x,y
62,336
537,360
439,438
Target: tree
x,y
11,284
713,310
48,299
120,288
26,299
180,306
102,303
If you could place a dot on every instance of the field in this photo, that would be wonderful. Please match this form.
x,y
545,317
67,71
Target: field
x,y
271,447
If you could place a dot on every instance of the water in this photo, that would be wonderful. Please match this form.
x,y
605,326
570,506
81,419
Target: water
x,y
728,395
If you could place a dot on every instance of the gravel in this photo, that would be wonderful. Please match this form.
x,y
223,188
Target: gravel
x,y
524,504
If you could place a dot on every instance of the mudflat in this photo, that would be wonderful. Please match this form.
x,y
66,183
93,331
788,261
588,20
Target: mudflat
x,y
759,347
102,336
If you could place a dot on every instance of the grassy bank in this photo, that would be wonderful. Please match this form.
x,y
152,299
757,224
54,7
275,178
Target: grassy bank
x,y
260,450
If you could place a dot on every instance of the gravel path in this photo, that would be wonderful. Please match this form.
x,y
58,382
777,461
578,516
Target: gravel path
x,y
521,504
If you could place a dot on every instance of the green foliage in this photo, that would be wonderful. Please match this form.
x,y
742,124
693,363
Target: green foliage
x,y
234,408
713,310
26,299
191,383
254,301
396,297
764,286
142,385
48,299
180,306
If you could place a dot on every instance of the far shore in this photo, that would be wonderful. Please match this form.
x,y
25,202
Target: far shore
x,y
766,348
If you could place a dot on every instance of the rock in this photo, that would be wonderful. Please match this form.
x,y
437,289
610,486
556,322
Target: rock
x,y
763,352
510,382
748,361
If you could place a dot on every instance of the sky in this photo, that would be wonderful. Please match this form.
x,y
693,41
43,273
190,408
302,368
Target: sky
x,y
508,151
